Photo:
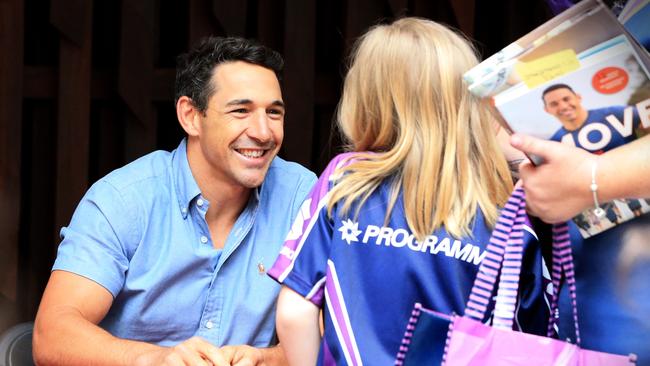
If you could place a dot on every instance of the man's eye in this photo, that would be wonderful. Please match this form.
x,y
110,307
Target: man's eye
x,y
276,112
240,110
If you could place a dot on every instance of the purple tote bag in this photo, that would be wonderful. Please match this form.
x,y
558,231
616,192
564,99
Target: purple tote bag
x,y
470,342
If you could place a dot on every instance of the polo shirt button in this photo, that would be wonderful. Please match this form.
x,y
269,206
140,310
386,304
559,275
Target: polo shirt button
x,y
204,239
199,202
209,324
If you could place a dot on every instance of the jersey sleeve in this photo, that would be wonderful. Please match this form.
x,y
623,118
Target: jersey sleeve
x,y
302,262
94,244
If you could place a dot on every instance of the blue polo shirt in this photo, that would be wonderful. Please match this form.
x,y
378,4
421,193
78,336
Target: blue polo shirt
x,y
141,233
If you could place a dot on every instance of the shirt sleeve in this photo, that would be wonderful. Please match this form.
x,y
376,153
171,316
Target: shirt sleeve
x,y
302,262
94,245
303,188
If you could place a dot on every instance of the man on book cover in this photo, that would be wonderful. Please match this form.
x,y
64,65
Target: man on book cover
x,y
598,130
595,130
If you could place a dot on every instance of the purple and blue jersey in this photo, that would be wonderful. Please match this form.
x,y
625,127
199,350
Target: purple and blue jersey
x,y
366,274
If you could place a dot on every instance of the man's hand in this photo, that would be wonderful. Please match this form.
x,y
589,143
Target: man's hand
x,y
197,351
558,189
243,355
194,351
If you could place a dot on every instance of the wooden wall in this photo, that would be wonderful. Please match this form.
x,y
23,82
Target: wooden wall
x,y
86,86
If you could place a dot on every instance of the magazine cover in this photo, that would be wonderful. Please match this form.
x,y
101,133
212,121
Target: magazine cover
x,y
577,29
603,104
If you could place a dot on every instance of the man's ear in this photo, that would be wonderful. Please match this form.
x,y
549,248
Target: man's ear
x,y
188,116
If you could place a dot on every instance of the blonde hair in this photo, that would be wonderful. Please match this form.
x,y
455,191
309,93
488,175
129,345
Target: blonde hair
x,y
410,118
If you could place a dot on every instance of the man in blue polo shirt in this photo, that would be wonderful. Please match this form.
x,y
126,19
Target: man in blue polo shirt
x,y
164,259
595,130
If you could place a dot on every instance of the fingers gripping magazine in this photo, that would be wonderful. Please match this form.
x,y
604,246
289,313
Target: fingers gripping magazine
x,y
580,79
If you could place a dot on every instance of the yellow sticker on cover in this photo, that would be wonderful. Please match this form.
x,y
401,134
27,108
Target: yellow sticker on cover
x,y
547,68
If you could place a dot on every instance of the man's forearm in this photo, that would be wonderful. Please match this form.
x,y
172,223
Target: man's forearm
x,y
63,338
72,340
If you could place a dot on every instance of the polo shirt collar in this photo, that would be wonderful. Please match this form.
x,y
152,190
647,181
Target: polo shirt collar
x,y
186,187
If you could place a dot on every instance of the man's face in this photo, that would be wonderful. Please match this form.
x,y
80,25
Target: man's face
x,y
243,126
565,106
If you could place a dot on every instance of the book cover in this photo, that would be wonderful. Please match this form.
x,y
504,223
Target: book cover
x,y
603,104
578,29
580,79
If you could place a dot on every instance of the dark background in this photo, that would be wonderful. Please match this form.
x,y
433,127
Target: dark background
x,y
87,86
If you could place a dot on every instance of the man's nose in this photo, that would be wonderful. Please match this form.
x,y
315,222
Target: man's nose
x,y
260,128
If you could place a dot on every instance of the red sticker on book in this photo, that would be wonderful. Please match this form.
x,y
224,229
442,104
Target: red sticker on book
x,y
610,80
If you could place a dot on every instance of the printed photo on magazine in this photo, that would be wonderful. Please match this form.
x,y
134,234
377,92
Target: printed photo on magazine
x,y
604,103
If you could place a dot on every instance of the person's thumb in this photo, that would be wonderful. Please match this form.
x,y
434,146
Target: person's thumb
x,y
533,145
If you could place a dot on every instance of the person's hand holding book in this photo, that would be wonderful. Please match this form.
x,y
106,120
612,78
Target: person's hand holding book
x,y
558,189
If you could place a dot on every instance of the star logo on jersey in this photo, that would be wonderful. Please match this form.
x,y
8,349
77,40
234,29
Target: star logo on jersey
x,y
350,231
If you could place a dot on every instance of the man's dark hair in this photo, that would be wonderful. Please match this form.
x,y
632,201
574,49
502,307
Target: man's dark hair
x,y
194,69
555,87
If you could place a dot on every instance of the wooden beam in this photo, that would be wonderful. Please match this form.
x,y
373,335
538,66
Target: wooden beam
x,y
39,194
202,20
138,47
464,11
73,115
11,64
232,15
399,7
360,15
270,24
162,85
68,17
299,57
40,82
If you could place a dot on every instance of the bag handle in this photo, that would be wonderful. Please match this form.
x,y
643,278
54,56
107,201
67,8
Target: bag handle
x,y
505,248
511,218
563,264
505,306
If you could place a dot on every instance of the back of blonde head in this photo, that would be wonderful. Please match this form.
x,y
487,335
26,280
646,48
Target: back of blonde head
x,y
404,101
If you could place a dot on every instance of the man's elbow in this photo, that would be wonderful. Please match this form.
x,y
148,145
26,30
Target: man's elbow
x,y
39,346
43,346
